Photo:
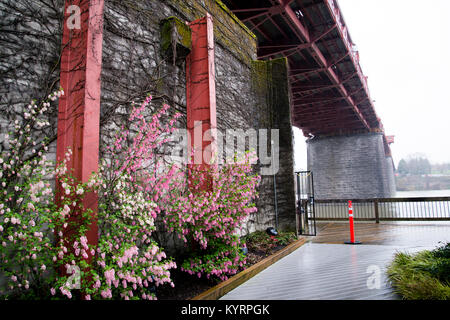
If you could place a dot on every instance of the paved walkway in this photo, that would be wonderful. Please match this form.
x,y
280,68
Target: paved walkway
x,y
333,271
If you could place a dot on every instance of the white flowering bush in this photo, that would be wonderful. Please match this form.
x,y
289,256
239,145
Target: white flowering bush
x,y
28,216
44,250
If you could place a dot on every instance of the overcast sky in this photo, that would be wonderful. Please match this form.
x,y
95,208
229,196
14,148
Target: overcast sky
x,y
404,49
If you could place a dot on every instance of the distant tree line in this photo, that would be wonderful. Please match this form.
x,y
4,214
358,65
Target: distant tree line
x,y
419,165
442,168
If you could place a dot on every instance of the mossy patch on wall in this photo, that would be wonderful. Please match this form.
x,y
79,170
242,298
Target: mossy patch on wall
x,y
236,19
229,32
271,88
260,80
175,38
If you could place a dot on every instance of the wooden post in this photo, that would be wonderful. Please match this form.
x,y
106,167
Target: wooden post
x,y
377,214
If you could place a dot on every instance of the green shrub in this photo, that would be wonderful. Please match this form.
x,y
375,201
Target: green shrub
x,y
422,276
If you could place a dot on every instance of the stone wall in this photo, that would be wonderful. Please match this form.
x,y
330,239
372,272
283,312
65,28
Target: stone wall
x,y
351,167
390,179
132,29
133,66
30,46
271,88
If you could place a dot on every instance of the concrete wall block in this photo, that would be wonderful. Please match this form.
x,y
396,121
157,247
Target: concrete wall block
x,y
351,166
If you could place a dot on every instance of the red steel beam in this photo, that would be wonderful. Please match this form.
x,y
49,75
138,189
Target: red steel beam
x,y
267,51
201,91
299,101
314,89
299,28
325,98
321,113
79,107
325,87
325,118
318,37
256,25
319,57
341,88
254,16
339,125
293,73
326,108
250,10
309,41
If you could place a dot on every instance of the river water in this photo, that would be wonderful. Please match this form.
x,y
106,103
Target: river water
x,y
422,193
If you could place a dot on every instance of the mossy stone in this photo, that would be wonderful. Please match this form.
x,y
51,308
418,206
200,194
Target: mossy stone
x,y
174,32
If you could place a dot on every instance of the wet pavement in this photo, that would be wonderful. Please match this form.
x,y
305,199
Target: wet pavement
x,y
326,269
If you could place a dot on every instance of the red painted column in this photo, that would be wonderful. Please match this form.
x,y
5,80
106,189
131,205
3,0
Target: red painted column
x,y
79,107
201,92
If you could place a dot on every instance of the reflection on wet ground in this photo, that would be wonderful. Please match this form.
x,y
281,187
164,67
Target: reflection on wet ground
x,y
325,268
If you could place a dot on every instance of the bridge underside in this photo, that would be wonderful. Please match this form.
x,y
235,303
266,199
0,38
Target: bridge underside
x,y
347,148
329,91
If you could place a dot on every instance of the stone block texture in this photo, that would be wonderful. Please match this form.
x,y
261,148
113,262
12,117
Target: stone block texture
x,y
134,64
351,167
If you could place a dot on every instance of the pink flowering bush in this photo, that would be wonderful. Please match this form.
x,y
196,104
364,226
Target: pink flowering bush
x,y
129,262
28,215
208,218
44,252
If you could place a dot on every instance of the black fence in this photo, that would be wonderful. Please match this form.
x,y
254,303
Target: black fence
x,y
305,203
386,209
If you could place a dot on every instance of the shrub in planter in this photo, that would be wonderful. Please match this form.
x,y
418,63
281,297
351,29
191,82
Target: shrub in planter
x,y
129,260
261,242
207,218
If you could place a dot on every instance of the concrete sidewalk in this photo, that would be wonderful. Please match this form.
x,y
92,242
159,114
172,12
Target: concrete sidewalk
x,y
325,271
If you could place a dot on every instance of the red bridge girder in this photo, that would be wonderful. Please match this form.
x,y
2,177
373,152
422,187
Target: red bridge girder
x,y
324,65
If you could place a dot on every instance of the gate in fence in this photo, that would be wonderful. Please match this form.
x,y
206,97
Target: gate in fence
x,y
306,215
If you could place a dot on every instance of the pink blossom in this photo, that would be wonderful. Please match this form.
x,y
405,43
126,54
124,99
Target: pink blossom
x,y
106,294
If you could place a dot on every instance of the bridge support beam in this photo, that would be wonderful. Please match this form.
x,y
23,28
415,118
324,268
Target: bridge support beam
x,y
351,167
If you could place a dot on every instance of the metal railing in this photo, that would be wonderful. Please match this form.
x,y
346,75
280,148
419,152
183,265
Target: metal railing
x,y
386,209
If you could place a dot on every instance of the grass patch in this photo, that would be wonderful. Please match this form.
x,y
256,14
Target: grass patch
x,y
422,276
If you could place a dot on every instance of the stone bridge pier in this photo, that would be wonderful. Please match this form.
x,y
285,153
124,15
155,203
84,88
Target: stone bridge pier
x,y
349,167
